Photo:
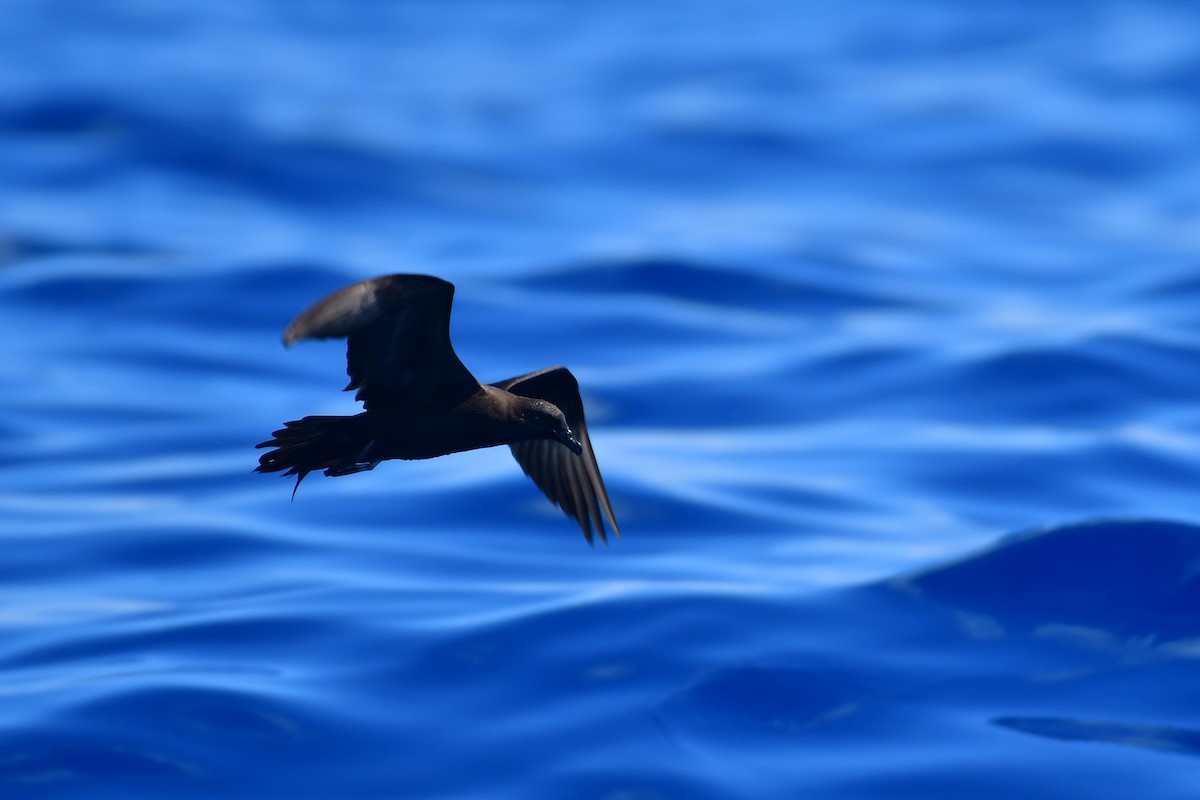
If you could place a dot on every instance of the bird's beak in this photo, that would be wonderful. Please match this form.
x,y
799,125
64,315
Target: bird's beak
x,y
568,438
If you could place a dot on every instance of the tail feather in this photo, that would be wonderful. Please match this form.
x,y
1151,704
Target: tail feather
x,y
337,445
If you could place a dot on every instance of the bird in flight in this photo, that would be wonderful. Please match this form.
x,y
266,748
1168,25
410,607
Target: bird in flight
x,y
421,402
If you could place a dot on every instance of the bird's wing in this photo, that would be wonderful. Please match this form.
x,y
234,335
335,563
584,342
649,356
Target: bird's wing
x,y
398,351
572,483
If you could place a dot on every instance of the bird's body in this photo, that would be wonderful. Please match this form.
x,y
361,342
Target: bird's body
x,y
485,419
421,402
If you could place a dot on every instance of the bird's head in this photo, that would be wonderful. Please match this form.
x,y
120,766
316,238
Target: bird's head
x,y
545,421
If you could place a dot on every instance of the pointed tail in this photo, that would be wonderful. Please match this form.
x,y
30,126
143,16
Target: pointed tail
x,y
338,445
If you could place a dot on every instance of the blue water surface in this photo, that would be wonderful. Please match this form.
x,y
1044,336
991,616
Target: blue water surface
x,y
885,315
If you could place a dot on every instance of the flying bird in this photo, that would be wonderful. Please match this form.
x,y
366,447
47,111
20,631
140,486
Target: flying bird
x,y
420,401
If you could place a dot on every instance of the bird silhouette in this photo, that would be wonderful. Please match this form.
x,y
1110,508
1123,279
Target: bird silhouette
x,y
420,401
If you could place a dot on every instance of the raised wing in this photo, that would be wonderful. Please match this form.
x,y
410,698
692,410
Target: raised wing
x,y
572,482
398,351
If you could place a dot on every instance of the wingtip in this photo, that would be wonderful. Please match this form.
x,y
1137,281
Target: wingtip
x,y
593,533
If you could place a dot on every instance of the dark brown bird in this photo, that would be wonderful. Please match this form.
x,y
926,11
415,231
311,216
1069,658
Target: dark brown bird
x,y
421,402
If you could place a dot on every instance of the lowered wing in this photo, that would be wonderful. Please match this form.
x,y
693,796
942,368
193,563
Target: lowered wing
x,y
573,483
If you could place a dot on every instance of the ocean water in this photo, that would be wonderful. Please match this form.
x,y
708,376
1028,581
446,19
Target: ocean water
x,y
885,316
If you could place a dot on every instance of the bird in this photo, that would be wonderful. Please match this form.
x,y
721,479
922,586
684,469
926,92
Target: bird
x,y
420,401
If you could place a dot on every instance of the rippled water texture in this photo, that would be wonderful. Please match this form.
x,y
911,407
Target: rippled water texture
x,y
885,315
